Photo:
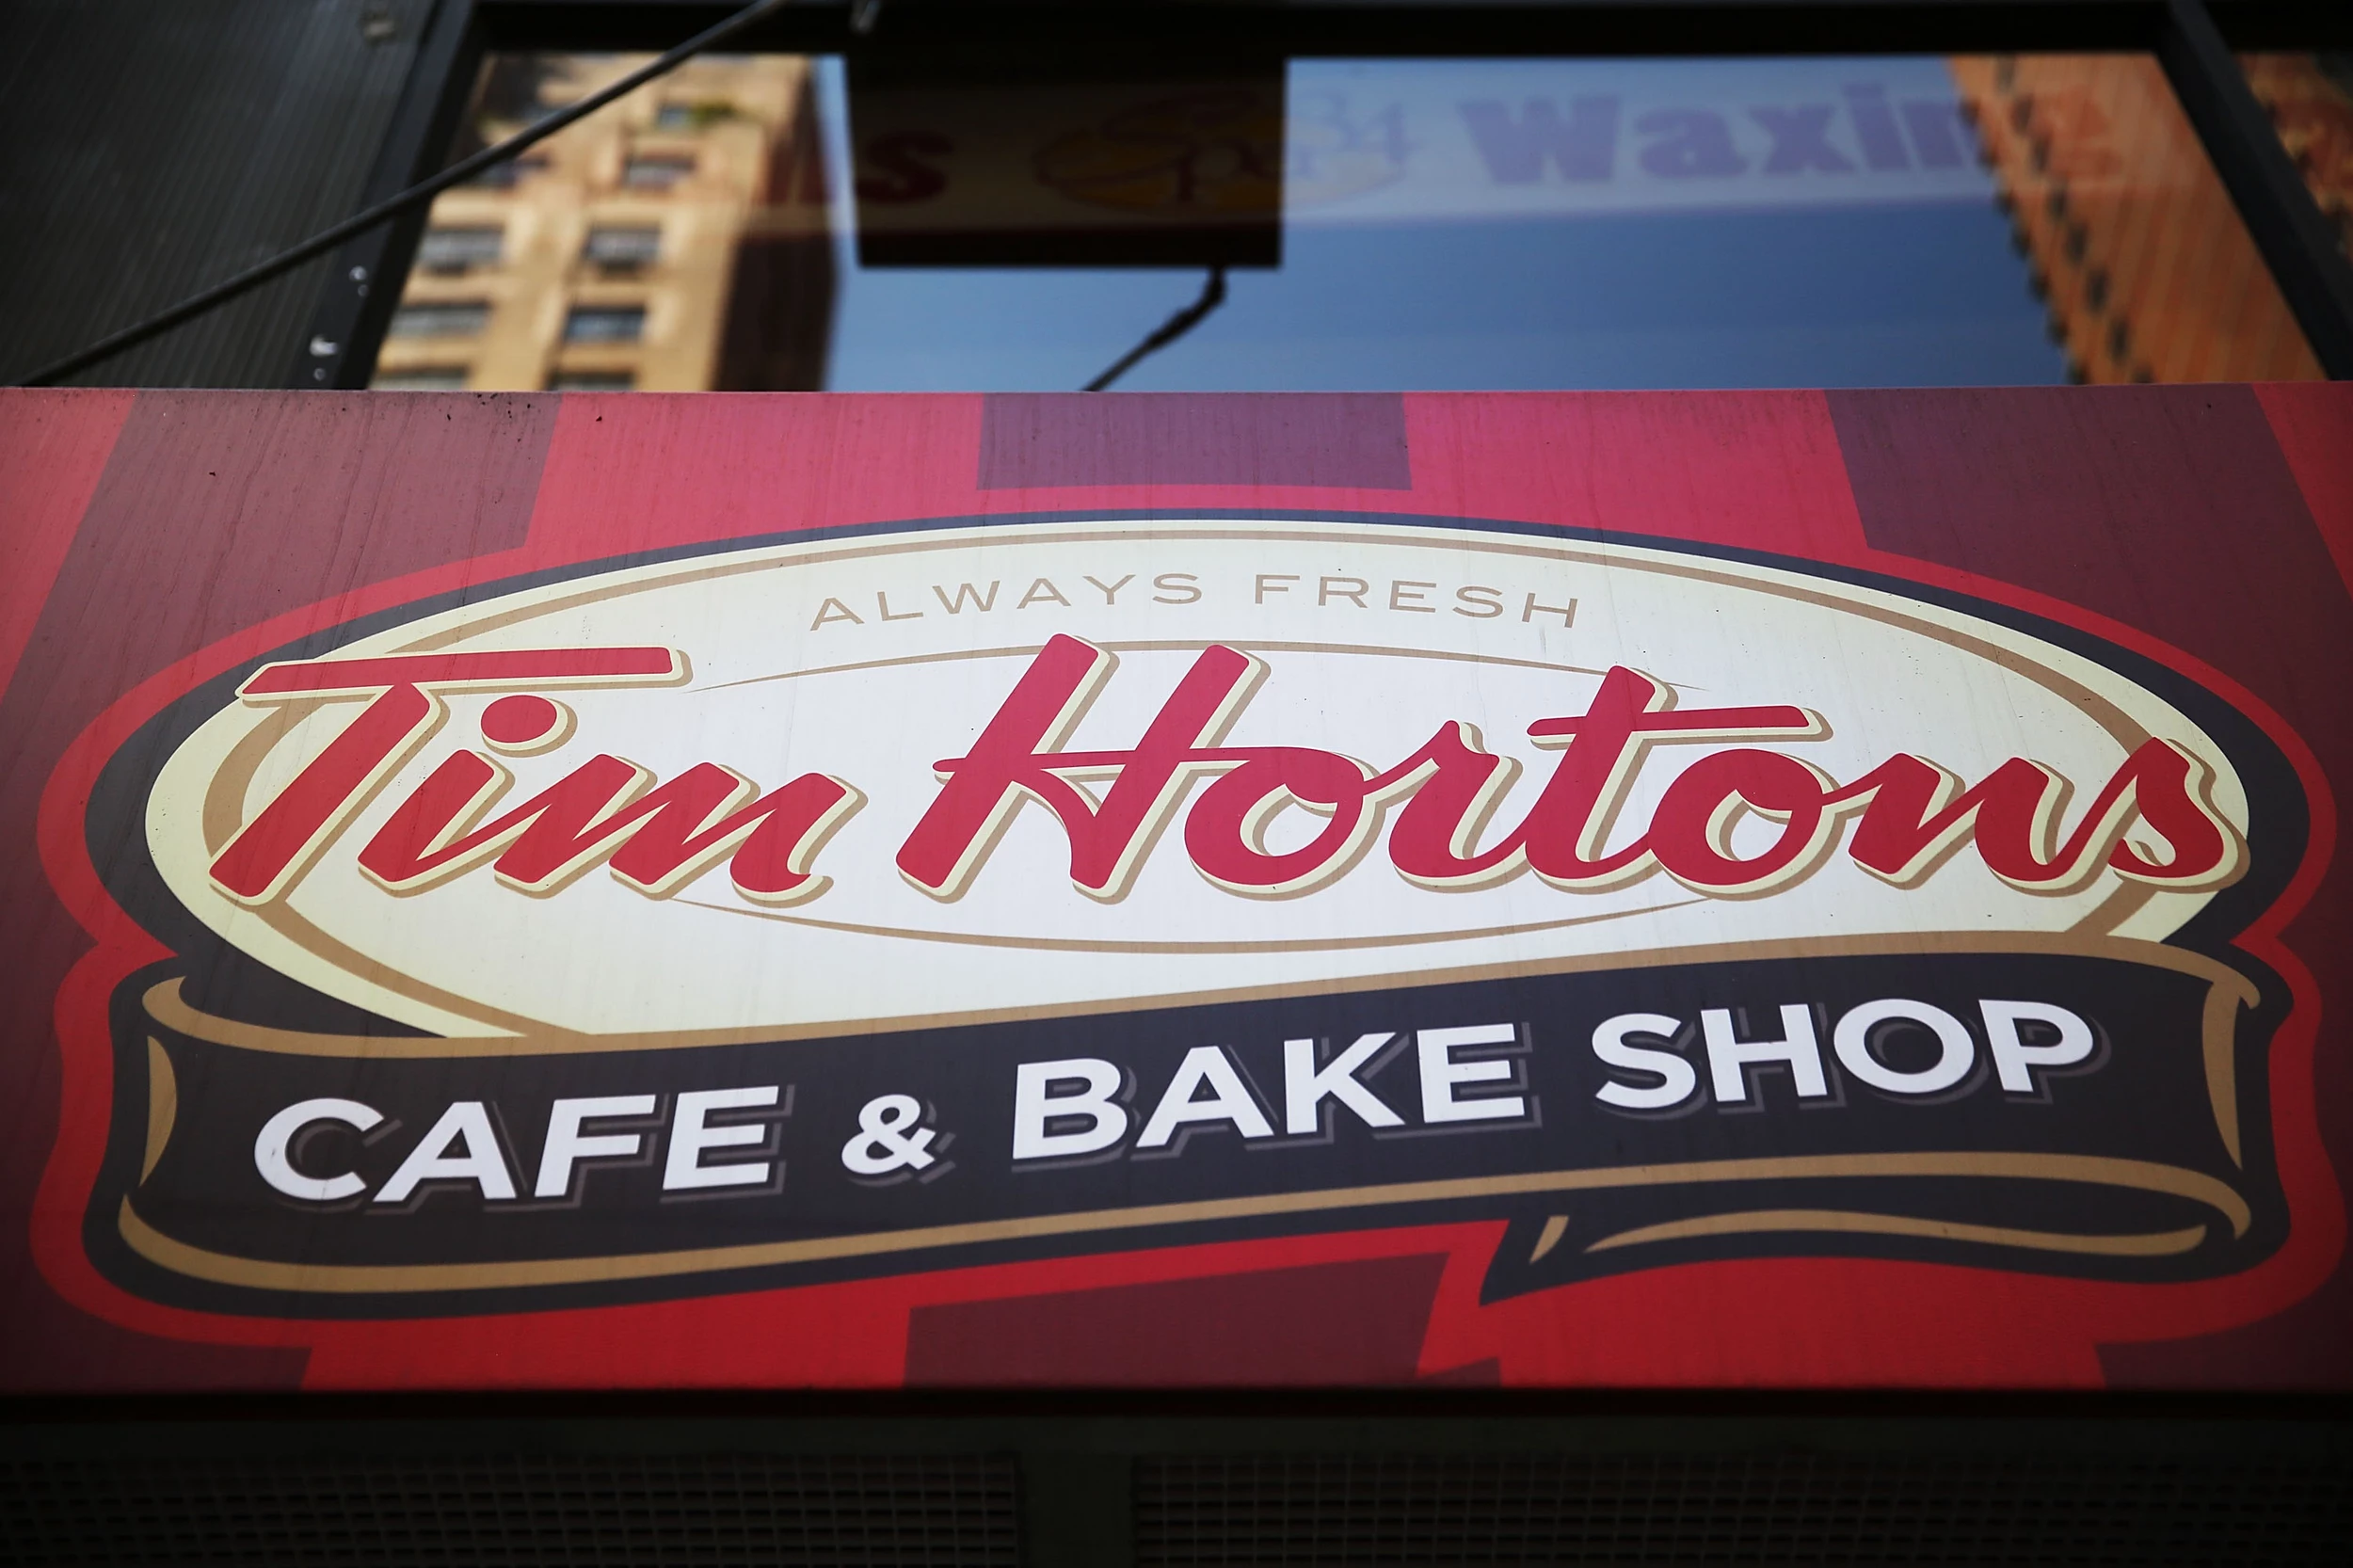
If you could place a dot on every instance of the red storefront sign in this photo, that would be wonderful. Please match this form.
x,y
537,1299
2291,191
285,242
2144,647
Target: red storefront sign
x,y
1796,890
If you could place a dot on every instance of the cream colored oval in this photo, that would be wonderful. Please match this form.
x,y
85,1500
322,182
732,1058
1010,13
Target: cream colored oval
x,y
1370,672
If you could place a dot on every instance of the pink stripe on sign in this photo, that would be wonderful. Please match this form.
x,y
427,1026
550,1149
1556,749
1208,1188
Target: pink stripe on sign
x,y
1754,470
2174,510
1347,441
53,447
630,472
2168,508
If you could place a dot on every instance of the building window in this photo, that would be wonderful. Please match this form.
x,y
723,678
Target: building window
x,y
592,380
508,173
751,276
622,249
656,170
450,319
428,379
605,324
448,250
693,117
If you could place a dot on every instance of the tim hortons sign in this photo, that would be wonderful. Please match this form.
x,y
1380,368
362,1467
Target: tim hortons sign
x,y
828,905
568,922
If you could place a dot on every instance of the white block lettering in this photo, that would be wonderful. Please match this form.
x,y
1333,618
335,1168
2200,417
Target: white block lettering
x,y
1681,1079
2013,1059
1033,1107
1957,1051
567,1144
272,1149
1229,1099
1304,1089
684,1171
466,1125
1728,1059
1441,1074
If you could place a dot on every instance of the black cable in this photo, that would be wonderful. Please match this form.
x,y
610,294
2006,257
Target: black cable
x,y
457,173
1212,296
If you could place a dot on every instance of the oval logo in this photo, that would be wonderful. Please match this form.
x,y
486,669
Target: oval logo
x,y
948,775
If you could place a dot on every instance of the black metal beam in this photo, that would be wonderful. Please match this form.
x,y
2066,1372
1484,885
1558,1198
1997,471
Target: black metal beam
x,y
2295,240
1370,27
1439,27
2282,24
364,286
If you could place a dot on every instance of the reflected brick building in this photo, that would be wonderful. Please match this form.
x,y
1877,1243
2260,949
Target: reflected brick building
x,y
2132,240
675,242
2310,98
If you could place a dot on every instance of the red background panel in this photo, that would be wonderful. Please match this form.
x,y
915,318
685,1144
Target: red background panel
x,y
2193,524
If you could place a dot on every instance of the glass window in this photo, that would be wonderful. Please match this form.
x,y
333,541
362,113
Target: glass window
x,y
605,324
591,380
457,318
513,171
448,250
424,379
692,116
735,265
617,249
1390,224
2310,98
656,170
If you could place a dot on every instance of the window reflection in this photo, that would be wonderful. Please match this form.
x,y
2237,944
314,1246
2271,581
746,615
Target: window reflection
x,y
424,379
781,222
2134,243
605,324
459,250
1523,223
657,245
507,174
440,319
2310,98
622,249
656,170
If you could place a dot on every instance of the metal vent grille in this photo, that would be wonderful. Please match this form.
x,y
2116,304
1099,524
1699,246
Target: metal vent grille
x,y
917,1511
1798,1507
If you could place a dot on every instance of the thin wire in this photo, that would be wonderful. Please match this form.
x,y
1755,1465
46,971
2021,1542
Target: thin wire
x,y
1212,296
457,173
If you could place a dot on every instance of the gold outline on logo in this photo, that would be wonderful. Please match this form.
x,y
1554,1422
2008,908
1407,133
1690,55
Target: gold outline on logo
x,y
1764,1222
393,1278
2228,991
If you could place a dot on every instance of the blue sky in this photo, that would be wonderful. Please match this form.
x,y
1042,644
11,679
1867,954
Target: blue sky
x,y
1748,223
